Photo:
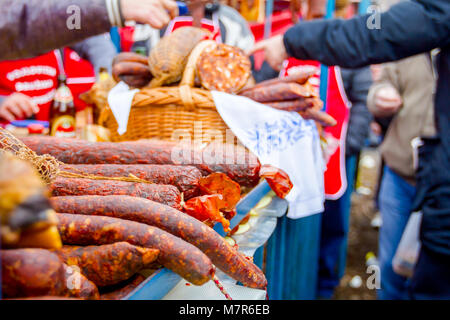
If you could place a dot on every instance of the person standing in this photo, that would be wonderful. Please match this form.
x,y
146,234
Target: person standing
x,y
407,29
408,99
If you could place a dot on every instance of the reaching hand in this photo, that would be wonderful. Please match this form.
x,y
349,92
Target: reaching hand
x,y
17,106
387,101
156,13
275,52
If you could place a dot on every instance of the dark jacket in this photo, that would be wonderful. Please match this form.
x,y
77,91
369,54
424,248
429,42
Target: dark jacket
x,y
357,83
33,27
408,28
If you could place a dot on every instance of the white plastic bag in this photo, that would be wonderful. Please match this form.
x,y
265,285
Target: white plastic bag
x,y
408,249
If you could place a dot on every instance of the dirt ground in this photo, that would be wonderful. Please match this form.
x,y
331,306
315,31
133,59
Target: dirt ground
x,y
363,238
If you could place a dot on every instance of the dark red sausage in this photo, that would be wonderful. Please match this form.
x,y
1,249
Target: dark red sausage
x,y
168,195
277,92
173,221
294,105
125,290
298,77
78,286
175,254
31,272
185,178
108,264
240,165
322,117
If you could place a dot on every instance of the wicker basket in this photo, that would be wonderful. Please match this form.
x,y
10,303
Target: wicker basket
x,y
166,113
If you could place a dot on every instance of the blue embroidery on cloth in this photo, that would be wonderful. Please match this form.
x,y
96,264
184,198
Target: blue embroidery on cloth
x,y
279,134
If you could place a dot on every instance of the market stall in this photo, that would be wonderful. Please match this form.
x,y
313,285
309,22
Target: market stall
x,y
183,194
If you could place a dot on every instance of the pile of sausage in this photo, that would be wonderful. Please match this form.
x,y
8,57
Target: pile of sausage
x,y
111,230
291,93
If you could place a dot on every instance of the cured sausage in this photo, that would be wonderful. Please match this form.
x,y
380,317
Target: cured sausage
x,y
223,68
240,165
321,117
168,59
120,293
78,286
108,264
185,178
277,92
31,272
175,254
299,77
296,105
130,68
129,56
169,195
173,221
38,272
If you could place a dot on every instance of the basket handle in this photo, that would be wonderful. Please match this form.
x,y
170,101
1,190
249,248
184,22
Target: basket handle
x,y
189,71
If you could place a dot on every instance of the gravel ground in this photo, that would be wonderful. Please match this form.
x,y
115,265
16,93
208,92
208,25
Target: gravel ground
x,y
363,238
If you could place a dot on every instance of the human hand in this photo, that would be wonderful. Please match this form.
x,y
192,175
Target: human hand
x,y
387,101
156,13
275,52
17,106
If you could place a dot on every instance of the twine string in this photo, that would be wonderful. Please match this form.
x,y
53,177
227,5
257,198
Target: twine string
x,y
221,288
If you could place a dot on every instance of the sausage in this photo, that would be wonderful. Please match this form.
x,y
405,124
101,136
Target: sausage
x,y
131,68
185,178
120,293
130,57
223,68
169,195
173,221
110,263
175,254
78,286
135,81
277,92
321,117
31,272
299,77
241,166
39,272
295,105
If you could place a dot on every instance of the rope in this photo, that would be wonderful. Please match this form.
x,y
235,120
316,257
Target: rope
x,y
49,167
221,288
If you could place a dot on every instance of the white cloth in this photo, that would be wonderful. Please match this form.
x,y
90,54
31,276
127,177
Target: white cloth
x,y
119,99
282,139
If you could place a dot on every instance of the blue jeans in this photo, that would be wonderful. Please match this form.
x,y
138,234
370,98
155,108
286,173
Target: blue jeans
x,y
334,234
395,200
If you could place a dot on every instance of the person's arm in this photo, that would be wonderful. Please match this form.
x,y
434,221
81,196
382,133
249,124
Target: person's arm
x,y
32,27
384,99
98,50
408,28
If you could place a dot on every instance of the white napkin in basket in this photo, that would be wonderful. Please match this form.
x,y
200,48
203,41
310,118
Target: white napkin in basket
x,y
120,99
282,139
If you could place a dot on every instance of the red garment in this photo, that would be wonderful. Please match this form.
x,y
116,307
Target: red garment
x,y
186,21
127,33
37,78
337,105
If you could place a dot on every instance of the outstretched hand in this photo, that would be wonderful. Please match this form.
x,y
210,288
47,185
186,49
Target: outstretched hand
x,y
156,13
275,52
